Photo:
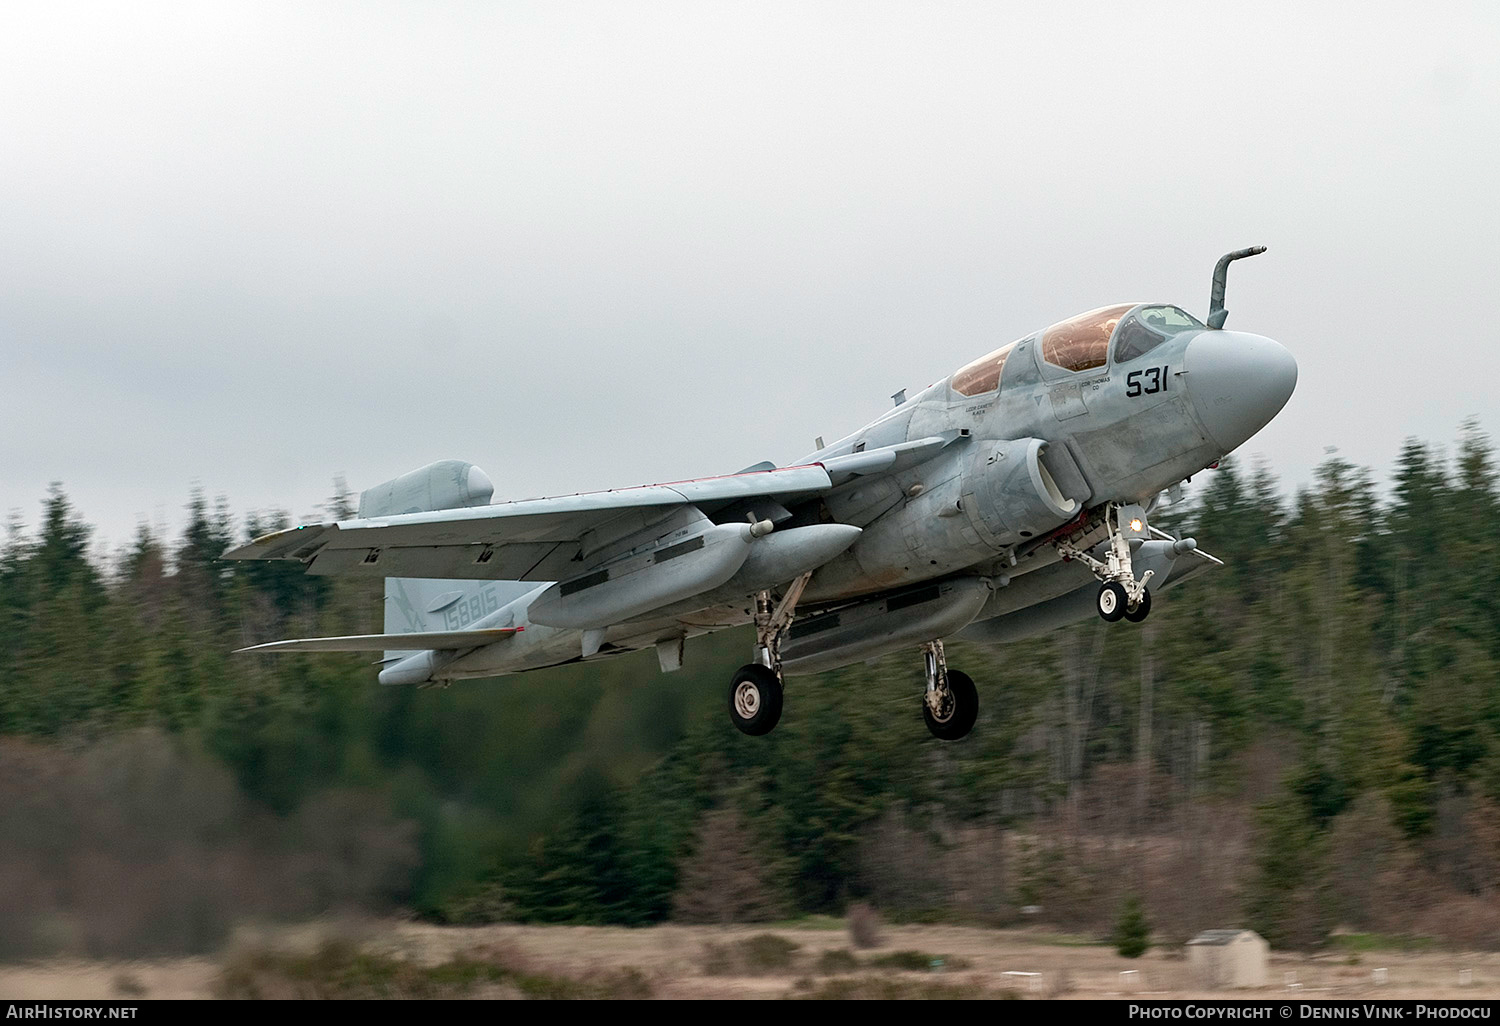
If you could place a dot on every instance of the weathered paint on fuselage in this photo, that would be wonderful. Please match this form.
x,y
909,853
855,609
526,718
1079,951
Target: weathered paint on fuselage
x,y
1105,447
1104,438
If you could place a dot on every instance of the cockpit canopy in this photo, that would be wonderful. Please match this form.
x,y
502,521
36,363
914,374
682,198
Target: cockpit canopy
x,y
1082,343
983,375
1148,327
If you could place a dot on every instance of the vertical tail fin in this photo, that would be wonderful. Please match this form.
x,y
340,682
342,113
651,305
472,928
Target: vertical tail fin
x,y
416,605
420,605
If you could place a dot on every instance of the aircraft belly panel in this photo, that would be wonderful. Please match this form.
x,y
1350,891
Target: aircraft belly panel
x,y
876,626
1039,585
1070,607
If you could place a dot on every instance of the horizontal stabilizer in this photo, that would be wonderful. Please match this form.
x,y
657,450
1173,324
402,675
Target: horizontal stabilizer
x,y
389,642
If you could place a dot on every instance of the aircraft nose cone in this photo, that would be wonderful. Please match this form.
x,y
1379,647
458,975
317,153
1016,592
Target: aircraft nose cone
x,y
1238,382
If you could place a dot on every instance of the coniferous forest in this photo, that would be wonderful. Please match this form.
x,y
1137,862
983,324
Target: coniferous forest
x,y
1305,742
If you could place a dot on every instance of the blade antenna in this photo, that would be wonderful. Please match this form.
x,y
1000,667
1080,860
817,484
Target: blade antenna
x,y
1217,315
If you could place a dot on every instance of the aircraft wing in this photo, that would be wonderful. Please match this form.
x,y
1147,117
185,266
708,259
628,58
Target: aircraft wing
x,y
389,642
530,540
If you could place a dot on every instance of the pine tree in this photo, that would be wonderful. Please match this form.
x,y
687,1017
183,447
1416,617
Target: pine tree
x,y
62,550
1132,934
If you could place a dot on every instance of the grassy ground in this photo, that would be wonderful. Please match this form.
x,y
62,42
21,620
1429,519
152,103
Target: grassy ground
x,y
814,960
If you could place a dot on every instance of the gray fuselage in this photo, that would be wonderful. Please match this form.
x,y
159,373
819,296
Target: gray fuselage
x,y
1114,406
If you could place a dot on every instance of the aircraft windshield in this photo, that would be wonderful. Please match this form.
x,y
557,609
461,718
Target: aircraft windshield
x,y
1082,343
983,375
1149,327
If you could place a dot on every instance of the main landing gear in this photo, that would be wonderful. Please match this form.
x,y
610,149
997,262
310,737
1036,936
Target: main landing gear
x,y
951,704
1120,593
755,690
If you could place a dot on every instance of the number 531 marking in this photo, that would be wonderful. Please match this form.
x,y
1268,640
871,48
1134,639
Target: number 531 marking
x,y
1146,382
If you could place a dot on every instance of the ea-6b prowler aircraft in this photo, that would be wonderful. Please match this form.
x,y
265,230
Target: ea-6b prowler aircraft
x,y
1009,498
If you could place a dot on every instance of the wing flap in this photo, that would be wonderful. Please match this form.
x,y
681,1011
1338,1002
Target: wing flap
x,y
499,562
390,642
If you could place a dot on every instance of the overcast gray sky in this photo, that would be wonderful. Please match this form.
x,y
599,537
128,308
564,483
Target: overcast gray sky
x,y
255,246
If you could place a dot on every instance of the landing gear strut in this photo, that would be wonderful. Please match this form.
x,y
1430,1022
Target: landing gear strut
x,y
755,690
951,704
1120,593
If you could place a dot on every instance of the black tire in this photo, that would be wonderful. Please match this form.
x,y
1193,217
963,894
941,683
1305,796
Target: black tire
x,y
755,699
1141,611
1111,601
960,720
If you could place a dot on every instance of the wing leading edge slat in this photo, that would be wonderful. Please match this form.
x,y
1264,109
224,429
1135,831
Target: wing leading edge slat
x,y
525,540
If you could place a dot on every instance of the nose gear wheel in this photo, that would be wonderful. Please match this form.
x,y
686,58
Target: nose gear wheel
x,y
1121,594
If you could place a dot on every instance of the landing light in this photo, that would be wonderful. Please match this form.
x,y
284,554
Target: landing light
x,y
1135,525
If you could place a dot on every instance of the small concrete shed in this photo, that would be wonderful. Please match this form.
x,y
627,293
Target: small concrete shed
x,y
1224,959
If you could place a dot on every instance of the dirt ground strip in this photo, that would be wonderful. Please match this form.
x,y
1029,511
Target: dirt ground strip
x,y
673,958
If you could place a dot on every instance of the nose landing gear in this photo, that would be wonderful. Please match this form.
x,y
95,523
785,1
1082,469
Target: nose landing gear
x,y
1120,593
